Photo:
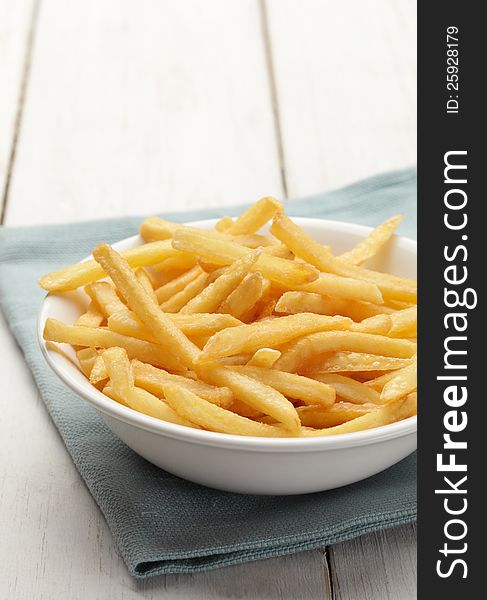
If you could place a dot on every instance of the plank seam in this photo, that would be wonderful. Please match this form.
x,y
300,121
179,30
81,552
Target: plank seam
x,y
273,93
26,66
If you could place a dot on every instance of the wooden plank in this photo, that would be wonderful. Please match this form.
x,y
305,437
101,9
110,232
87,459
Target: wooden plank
x,y
15,25
129,111
378,566
346,88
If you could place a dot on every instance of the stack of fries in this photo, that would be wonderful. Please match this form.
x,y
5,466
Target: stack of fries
x,y
243,333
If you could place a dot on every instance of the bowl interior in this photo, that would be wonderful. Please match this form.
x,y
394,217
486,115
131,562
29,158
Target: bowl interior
x,y
398,258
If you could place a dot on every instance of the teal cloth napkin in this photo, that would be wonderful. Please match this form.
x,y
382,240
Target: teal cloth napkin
x,y
161,523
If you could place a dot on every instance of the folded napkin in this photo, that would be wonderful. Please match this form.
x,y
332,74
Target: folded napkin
x,y
161,523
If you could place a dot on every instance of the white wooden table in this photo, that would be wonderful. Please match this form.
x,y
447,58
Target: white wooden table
x,y
113,107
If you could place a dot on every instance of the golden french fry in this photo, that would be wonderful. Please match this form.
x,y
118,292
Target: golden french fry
x,y
86,358
80,274
380,324
264,308
145,281
153,380
404,323
286,272
404,382
349,389
167,291
211,297
98,372
122,383
179,300
180,261
377,383
255,217
105,296
310,391
248,292
192,407
223,224
253,393
304,246
279,250
336,362
264,357
55,331
376,239
302,351
344,287
273,332
383,415
340,412
93,317
160,325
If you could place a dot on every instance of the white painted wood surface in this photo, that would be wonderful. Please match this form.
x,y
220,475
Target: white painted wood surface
x,y
132,108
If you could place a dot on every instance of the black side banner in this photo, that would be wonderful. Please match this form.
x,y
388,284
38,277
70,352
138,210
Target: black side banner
x,y
452,197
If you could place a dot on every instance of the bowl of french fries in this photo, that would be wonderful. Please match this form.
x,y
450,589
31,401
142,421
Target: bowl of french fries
x,y
262,354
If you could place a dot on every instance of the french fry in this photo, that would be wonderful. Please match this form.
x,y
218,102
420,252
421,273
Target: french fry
x,y
76,335
378,383
86,358
212,296
341,361
253,393
286,272
404,323
380,324
179,300
105,296
98,372
179,261
349,389
223,224
310,391
153,380
249,338
93,317
344,287
308,249
190,406
248,292
279,250
340,412
401,385
373,243
201,324
264,308
303,350
167,291
264,357
383,415
145,281
122,382
255,217
160,325
80,274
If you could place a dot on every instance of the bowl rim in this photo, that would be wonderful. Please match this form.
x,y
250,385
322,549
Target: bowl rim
x,y
81,386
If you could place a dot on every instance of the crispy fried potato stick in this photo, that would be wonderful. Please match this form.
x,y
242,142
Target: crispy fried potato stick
x,y
309,347
253,393
145,281
160,325
192,289
304,246
264,357
248,292
122,383
55,331
340,412
373,243
153,380
335,362
380,324
255,217
344,287
105,296
167,291
86,358
404,322
349,389
192,407
80,274
273,332
98,372
211,297
286,272
93,317
401,385
310,391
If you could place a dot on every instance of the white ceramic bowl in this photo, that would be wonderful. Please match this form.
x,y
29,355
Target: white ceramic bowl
x,y
248,464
